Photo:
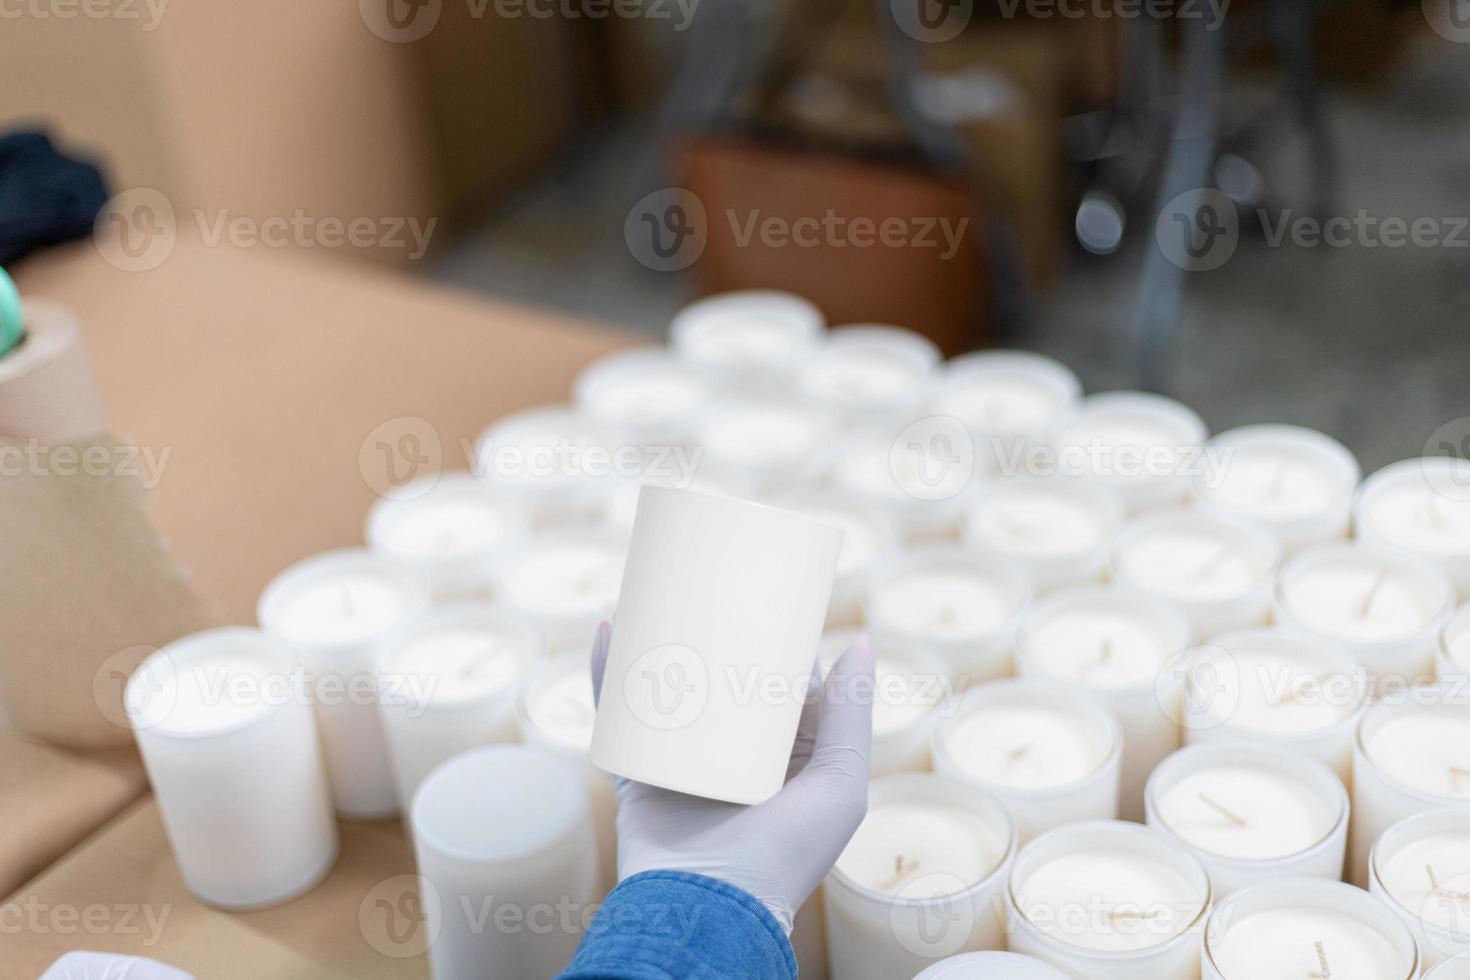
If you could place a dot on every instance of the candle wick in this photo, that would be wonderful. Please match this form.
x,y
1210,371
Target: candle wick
x,y
1115,915
1019,752
1105,652
1211,565
1310,683
1456,774
1436,889
901,872
477,663
1367,604
1227,814
1326,971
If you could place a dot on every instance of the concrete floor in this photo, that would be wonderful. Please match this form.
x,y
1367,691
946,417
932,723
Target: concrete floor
x,y
1367,344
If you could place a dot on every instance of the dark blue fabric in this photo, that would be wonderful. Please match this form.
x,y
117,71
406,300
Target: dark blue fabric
x,y
673,925
45,198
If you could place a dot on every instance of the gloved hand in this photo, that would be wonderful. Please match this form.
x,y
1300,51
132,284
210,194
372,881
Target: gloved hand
x,y
82,965
780,850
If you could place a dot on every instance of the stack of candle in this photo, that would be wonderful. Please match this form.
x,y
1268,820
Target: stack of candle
x,y
1230,638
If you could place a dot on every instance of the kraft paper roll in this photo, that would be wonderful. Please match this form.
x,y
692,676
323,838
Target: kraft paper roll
x,y
716,630
47,391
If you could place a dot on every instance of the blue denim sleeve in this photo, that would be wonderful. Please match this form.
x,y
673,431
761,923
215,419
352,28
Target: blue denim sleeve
x,y
673,925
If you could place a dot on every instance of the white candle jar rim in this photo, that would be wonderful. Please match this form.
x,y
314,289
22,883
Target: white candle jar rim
x,y
990,965
787,469
802,322
615,371
544,673
1298,645
1183,424
529,431
867,448
1100,722
930,787
959,372
596,535
391,660
907,349
1320,893
946,558
1443,819
1098,834
328,565
1434,698
1425,471
1097,498
1265,548
1454,968
1169,624
440,487
1299,440
1457,625
1430,581
1302,770
159,670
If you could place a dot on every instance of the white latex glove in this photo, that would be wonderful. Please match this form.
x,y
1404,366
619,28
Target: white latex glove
x,y
81,965
780,850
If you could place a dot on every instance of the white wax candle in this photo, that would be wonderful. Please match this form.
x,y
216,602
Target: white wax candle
x,y
447,683
1115,644
1387,610
1288,930
760,446
1108,900
867,536
555,712
1452,660
1056,530
1421,507
919,879
1216,571
230,744
868,369
748,336
1051,755
1296,482
647,394
1251,814
909,686
946,599
504,827
1005,397
1422,866
920,475
451,526
1141,444
566,581
1412,754
555,458
991,966
1288,691
1455,969
336,610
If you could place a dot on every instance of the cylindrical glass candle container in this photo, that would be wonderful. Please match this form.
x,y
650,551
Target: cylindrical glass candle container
x,y
1455,969
1295,482
553,458
920,880
1108,900
1306,927
648,396
1421,507
1217,571
991,966
869,369
1007,399
1421,867
504,827
1114,644
1385,609
1049,752
1251,814
1452,661
949,600
1284,690
335,611
565,581
748,337
1412,754
867,535
1053,529
722,599
447,683
760,446
228,737
450,526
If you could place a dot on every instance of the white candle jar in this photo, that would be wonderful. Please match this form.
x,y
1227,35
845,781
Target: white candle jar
x,y
502,833
990,966
336,610
867,536
1051,755
1295,482
1412,754
722,599
555,712
1108,900
1421,507
447,683
1114,644
1145,446
450,526
230,744
1007,399
868,369
1286,691
912,469
1421,867
1455,969
1452,659
949,600
910,690
1251,814
647,395
753,337
565,580
555,459
1386,610
1218,572
1306,927
1055,530
762,446
920,880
